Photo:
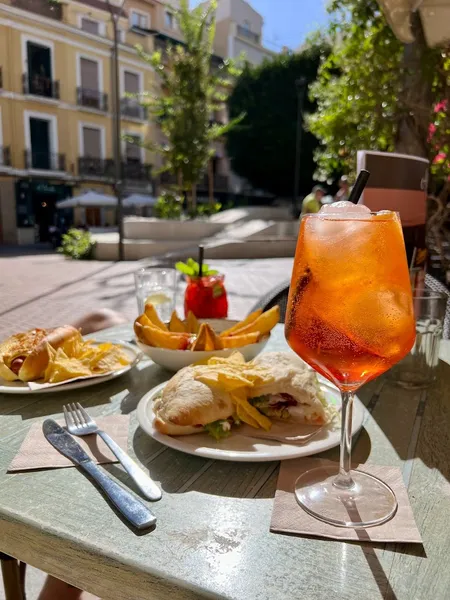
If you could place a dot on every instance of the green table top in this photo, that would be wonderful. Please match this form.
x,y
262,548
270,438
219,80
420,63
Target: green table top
x,y
212,538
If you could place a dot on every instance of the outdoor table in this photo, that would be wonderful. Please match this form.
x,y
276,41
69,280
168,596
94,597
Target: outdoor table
x,y
212,538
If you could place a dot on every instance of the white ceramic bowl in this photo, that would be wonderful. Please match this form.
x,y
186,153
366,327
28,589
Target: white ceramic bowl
x,y
174,360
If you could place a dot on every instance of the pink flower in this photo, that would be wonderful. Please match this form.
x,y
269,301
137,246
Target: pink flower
x,y
439,158
441,106
431,131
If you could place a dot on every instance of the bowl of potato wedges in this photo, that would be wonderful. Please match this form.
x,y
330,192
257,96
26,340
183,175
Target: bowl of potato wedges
x,y
183,342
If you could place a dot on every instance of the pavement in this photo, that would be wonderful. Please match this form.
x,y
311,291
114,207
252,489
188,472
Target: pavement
x,y
44,289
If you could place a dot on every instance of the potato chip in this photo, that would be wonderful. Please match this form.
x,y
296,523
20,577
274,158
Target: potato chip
x,y
73,346
176,324
251,317
61,367
240,398
245,417
236,358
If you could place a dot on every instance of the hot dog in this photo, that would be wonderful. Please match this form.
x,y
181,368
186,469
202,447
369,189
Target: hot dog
x,y
25,356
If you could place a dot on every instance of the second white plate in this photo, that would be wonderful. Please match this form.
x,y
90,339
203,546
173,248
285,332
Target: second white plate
x,y
20,387
240,448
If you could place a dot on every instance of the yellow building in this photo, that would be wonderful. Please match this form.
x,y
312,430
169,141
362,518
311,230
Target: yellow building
x,y
56,125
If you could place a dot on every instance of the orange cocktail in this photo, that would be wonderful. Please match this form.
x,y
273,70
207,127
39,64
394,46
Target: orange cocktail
x,y
350,313
350,316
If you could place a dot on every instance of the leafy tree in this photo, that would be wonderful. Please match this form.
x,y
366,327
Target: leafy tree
x,y
191,90
373,92
262,146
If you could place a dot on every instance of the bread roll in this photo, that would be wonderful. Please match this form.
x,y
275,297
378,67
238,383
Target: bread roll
x,y
186,405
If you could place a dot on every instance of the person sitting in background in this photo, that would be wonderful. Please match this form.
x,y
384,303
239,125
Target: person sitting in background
x,y
344,190
312,202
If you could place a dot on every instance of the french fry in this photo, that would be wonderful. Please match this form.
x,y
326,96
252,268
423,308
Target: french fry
x,y
139,329
238,341
200,341
251,317
176,324
162,339
152,315
192,324
144,320
213,341
262,325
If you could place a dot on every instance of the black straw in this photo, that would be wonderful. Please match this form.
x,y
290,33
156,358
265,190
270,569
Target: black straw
x,y
201,251
359,186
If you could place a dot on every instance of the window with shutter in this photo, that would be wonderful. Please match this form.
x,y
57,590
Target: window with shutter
x,y
89,74
92,144
90,26
133,150
131,82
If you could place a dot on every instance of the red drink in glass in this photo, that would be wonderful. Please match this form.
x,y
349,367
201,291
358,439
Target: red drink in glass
x,y
206,297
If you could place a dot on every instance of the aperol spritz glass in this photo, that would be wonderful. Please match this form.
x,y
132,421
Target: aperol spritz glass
x,y
350,317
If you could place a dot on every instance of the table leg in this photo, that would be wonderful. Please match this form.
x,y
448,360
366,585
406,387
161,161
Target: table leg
x,y
13,577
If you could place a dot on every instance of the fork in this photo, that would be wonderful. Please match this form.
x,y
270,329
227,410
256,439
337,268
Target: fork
x,y
80,423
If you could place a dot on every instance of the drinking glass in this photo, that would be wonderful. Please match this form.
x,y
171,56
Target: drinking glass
x,y
350,317
157,286
418,369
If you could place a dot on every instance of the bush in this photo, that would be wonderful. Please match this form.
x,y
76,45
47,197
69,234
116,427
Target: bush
x,y
206,210
209,209
77,244
169,206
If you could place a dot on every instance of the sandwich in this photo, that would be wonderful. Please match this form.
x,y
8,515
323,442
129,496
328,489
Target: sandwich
x,y
226,392
188,405
293,395
25,356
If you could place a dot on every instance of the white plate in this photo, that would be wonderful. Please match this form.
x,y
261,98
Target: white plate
x,y
244,449
20,387
174,360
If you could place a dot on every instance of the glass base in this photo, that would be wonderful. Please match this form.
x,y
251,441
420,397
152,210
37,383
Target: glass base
x,y
367,503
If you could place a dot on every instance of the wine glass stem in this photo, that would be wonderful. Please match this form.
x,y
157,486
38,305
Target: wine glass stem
x,y
344,480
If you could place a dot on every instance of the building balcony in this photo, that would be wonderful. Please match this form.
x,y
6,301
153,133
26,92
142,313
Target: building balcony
x,y
92,99
104,169
95,167
136,171
44,161
39,85
250,35
51,10
5,156
131,108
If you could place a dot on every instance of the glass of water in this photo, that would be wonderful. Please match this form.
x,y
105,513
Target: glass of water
x,y
419,368
157,286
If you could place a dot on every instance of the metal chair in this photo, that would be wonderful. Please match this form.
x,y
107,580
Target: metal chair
x,y
13,572
437,286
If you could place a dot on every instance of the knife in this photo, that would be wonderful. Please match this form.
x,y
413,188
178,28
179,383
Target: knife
x,y
132,509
